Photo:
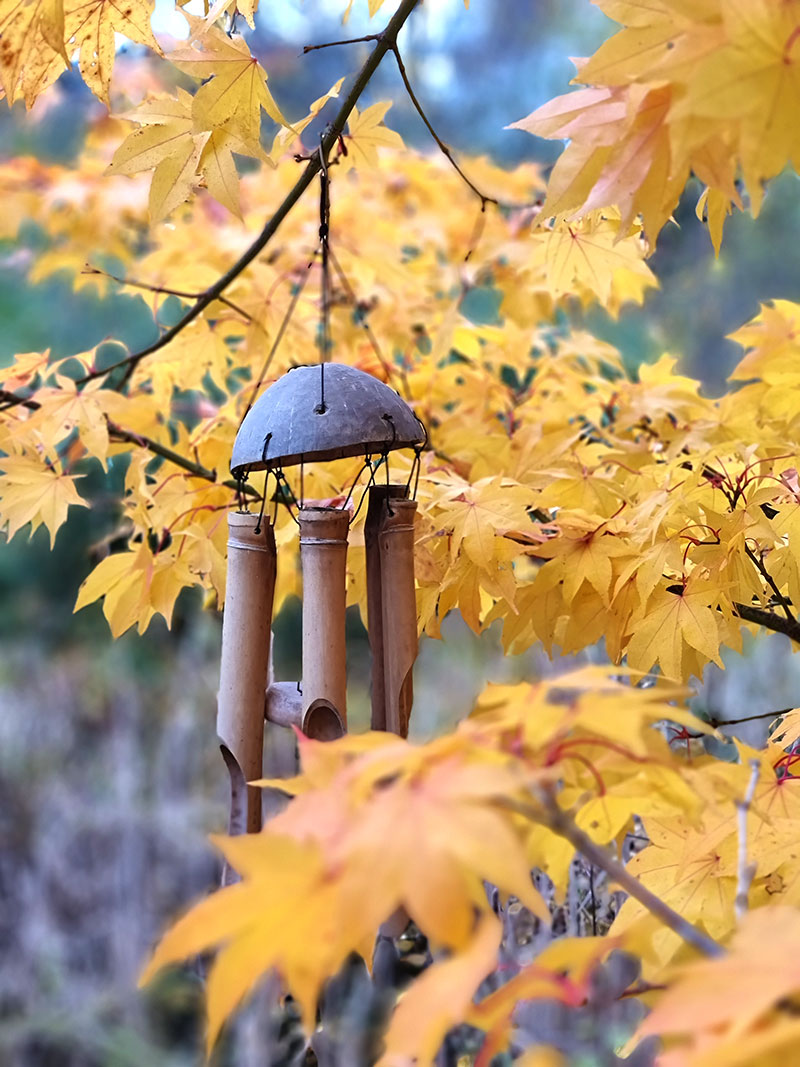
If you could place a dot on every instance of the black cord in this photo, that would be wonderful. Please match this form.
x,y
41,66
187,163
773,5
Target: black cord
x,y
324,234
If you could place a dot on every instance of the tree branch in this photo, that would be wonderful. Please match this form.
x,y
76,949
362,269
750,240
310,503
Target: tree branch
x,y
769,620
556,820
150,287
119,433
761,567
385,42
334,44
484,199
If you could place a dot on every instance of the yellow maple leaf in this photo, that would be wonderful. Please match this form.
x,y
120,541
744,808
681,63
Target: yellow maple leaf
x,y
90,27
236,90
30,59
716,1004
593,252
136,585
366,134
673,619
36,493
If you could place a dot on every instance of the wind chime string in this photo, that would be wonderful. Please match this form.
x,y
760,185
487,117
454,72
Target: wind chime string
x,y
278,338
324,234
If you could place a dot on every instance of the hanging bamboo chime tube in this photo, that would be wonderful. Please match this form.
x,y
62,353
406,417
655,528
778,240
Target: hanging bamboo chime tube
x,y
400,645
323,555
246,631
376,513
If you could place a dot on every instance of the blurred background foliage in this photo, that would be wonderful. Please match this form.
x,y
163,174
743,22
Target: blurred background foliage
x,y
109,771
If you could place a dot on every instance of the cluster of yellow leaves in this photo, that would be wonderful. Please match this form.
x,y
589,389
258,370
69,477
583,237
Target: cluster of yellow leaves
x,y
466,809
39,38
324,871
560,495
739,1010
709,87
176,521
187,138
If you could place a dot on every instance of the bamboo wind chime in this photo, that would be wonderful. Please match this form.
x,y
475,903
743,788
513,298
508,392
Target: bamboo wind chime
x,y
316,413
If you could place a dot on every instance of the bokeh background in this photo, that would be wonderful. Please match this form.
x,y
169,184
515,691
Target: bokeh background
x,y
110,777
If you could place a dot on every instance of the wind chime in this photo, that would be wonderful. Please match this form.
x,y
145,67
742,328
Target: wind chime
x,y
326,411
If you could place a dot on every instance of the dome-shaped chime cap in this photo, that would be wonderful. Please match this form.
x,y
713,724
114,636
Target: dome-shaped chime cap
x,y
287,424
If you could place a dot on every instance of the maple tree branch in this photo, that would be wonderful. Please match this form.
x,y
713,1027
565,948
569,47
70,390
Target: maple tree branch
x,y
334,44
484,199
134,283
769,620
119,433
560,823
745,872
761,567
12,400
716,723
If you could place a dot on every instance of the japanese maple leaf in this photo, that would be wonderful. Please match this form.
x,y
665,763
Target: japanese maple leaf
x,y
589,252
136,585
480,511
440,998
236,90
675,617
168,144
720,1000
34,493
366,134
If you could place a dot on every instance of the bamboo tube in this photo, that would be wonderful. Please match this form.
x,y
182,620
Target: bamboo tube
x,y
246,624
376,511
399,611
323,554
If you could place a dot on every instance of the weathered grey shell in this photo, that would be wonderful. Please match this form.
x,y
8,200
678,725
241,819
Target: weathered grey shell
x,y
286,426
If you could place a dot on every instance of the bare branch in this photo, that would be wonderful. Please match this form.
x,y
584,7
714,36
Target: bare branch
x,y
184,294
745,872
484,199
334,44
119,433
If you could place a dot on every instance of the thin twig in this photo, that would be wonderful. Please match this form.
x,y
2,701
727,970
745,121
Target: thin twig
x,y
759,563
334,44
550,815
184,294
384,42
745,872
484,199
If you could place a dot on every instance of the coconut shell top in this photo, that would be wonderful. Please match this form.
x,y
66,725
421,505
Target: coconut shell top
x,y
291,422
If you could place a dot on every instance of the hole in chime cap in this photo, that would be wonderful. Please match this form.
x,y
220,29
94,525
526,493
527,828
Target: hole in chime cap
x,y
286,425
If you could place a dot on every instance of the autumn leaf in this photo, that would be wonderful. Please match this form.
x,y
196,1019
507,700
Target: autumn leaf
x,y
593,252
31,492
235,91
676,618
366,135
714,1005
